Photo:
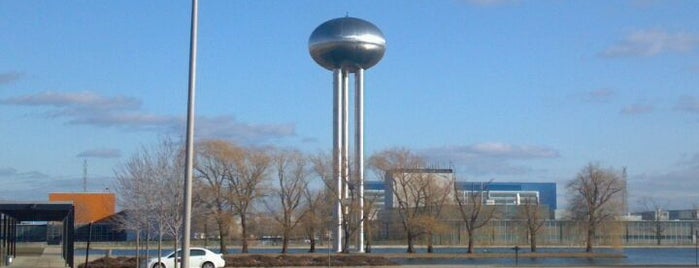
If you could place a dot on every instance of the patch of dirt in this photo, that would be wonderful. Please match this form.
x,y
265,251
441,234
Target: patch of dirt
x,y
255,260
109,262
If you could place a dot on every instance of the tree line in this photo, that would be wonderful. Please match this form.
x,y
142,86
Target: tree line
x,y
289,193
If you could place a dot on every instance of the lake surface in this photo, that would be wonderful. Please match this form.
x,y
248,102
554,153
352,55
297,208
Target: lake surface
x,y
634,256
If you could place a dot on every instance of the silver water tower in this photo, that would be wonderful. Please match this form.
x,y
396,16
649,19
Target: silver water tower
x,y
345,46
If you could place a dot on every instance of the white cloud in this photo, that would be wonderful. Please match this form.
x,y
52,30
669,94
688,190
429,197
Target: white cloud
x,y
494,150
602,95
648,43
309,140
74,101
677,187
7,173
644,4
9,77
24,186
637,109
490,3
100,153
492,158
36,186
127,120
126,113
687,104
227,127
690,161
502,150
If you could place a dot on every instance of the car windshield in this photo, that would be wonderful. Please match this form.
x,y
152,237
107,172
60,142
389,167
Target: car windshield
x,y
192,252
171,254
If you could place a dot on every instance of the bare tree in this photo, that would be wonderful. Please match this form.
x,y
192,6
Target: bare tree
x,y
236,177
534,218
246,184
150,186
595,198
658,219
317,214
203,221
417,194
407,187
292,172
473,209
132,187
323,168
437,193
215,160
371,212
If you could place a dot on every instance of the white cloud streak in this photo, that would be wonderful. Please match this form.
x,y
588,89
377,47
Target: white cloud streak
x,y
647,43
674,187
100,153
603,95
688,104
492,158
36,186
637,109
126,113
13,173
491,3
9,77
74,101
226,127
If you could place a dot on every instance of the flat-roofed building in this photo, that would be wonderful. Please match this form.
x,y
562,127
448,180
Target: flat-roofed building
x,y
89,207
382,195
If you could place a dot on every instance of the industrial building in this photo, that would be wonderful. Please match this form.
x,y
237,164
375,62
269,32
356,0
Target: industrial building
x,y
380,194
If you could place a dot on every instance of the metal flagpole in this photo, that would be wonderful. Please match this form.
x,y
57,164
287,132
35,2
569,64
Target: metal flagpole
x,y
189,159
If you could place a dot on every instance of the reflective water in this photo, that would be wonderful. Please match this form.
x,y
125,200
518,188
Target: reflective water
x,y
634,256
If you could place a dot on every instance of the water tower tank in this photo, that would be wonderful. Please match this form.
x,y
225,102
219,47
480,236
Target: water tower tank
x,y
347,43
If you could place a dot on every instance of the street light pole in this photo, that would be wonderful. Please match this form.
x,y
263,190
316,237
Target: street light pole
x,y
189,158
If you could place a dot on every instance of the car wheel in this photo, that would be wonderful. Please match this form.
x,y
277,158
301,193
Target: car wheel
x,y
208,265
158,265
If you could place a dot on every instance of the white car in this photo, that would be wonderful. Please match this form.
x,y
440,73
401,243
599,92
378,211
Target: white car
x,y
198,258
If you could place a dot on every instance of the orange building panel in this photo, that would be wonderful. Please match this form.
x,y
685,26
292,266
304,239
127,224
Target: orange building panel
x,y
89,207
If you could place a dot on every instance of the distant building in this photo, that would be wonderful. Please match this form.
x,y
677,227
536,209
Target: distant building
x,y
668,215
514,193
380,194
95,216
684,214
89,207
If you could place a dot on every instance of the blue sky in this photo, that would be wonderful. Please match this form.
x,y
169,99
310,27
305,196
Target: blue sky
x,y
502,90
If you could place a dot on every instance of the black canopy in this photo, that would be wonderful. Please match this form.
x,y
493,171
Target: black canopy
x,y
46,211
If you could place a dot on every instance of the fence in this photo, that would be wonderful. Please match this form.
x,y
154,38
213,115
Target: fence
x,y
552,233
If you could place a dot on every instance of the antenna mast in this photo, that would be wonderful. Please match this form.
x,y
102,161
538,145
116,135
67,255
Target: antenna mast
x,y
85,175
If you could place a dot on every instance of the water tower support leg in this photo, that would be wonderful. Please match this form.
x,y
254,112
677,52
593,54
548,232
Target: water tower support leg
x,y
337,157
359,147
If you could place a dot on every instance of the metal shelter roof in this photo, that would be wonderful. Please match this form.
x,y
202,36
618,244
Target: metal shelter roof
x,y
46,211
